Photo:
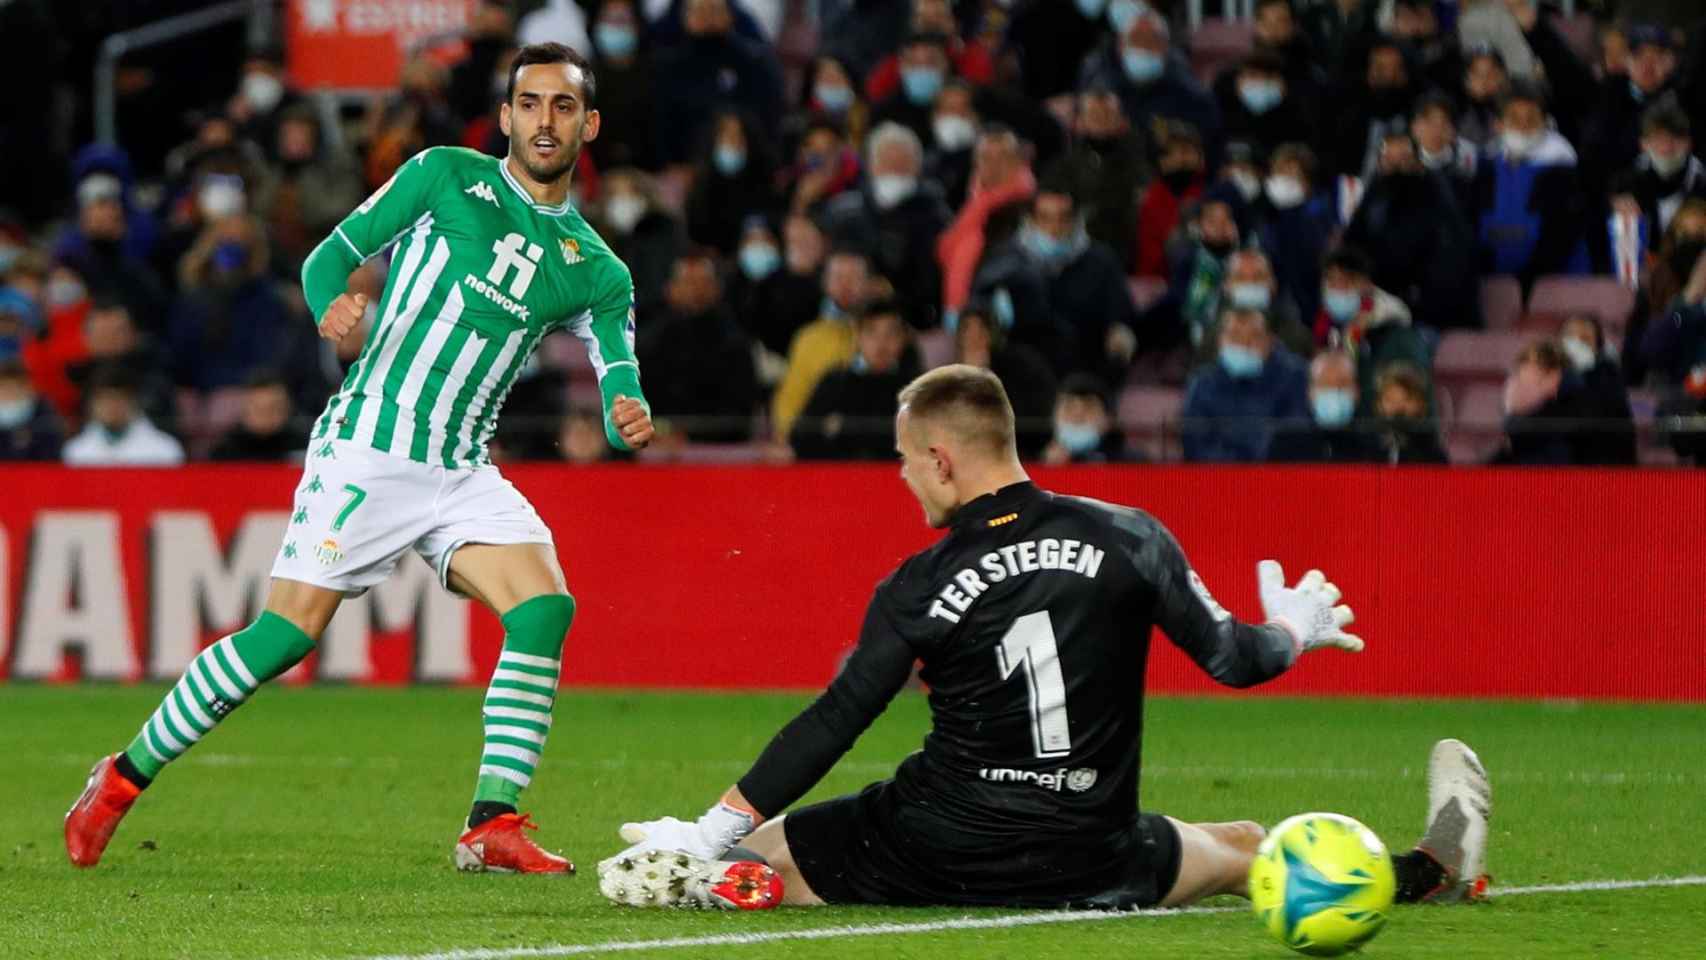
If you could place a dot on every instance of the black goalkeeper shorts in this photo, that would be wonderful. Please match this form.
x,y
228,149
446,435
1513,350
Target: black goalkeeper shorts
x,y
864,848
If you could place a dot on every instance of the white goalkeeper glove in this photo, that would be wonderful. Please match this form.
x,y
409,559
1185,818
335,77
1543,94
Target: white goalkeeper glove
x,y
1307,611
708,838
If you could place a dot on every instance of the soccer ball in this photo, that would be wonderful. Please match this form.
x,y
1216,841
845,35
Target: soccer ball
x,y
1322,884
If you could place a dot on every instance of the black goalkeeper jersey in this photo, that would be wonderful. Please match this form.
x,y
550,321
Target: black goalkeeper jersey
x,y
1032,619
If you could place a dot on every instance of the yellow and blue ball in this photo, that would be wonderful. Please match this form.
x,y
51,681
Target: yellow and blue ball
x,y
1322,884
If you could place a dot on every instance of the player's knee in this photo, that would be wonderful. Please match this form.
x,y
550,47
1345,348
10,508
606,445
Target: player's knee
x,y
546,615
1245,835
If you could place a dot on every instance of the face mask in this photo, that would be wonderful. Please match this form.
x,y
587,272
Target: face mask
x,y
1001,305
62,293
954,133
1666,167
262,90
921,84
1043,246
1092,9
220,196
625,211
1250,296
759,260
1333,407
833,99
1519,145
1581,355
1249,186
1261,96
1077,437
891,190
16,413
729,160
1240,362
1179,181
1141,66
1434,161
1342,305
1123,13
1284,192
616,39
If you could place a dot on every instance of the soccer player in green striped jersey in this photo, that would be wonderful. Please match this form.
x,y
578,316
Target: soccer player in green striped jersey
x,y
488,257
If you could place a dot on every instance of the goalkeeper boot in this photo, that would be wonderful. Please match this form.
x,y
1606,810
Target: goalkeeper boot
x,y
501,845
663,878
1460,805
90,822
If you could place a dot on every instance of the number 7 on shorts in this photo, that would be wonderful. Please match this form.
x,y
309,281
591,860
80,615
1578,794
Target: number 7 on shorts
x,y
356,496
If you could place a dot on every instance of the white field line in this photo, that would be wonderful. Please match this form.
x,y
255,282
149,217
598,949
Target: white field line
x,y
964,923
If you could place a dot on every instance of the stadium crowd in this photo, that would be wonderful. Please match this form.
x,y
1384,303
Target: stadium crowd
x,y
1347,231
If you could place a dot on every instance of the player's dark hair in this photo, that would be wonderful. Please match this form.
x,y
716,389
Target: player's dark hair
x,y
537,53
969,401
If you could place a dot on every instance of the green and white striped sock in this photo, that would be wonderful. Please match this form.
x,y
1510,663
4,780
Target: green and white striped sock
x,y
217,682
517,711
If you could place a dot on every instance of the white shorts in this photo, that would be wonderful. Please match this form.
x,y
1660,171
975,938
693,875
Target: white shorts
x,y
358,510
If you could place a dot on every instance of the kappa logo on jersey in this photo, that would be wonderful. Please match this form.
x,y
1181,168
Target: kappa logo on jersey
x,y
508,257
483,190
1077,781
1199,588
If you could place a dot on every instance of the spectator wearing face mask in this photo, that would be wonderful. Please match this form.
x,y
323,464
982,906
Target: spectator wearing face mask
x,y
829,96
948,153
900,214
1085,430
827,342
1106,166
1442,151
263,95
700,359
1529,196
850,415
265,431
924,71
229,320
969,60
622,59
1179,181
640,231
980,341
1605,112
1611,439
1259,106
1233,405
734,178
1241,169
778,290
1409,223
1367,321
1297,226
1153,84
1332,434
714,71
1188,312
118,434
1249,284
1050,42
30,430
1545,409
42,309
1002,186
1667,174
1405,432
1485,83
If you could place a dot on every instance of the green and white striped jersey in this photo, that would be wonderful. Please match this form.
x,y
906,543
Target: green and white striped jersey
x,y
480,275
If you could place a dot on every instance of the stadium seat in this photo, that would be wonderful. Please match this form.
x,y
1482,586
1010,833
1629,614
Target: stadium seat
x,y
1150,418
1478,427
1501,302
1146,291
935,348
1468,357
1557,296
1218,43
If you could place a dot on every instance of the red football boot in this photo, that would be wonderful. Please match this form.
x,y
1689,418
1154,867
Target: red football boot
x,y
90,822
501,845
667,878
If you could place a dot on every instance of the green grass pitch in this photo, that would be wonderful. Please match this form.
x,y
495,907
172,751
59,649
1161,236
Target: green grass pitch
x,y
318,823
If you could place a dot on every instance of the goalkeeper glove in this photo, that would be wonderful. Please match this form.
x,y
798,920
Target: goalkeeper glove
x,y
708,838
1307,611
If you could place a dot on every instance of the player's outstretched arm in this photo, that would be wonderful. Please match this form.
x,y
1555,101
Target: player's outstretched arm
x,y
800,754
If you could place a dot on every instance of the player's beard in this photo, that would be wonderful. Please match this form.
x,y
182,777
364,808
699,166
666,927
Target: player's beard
x,y
552,170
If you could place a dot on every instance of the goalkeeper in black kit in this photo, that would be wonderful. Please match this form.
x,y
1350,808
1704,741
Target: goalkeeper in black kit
x,y
1032,619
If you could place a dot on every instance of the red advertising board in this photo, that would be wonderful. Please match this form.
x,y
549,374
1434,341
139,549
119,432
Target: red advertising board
x,y
362,43
1468,583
